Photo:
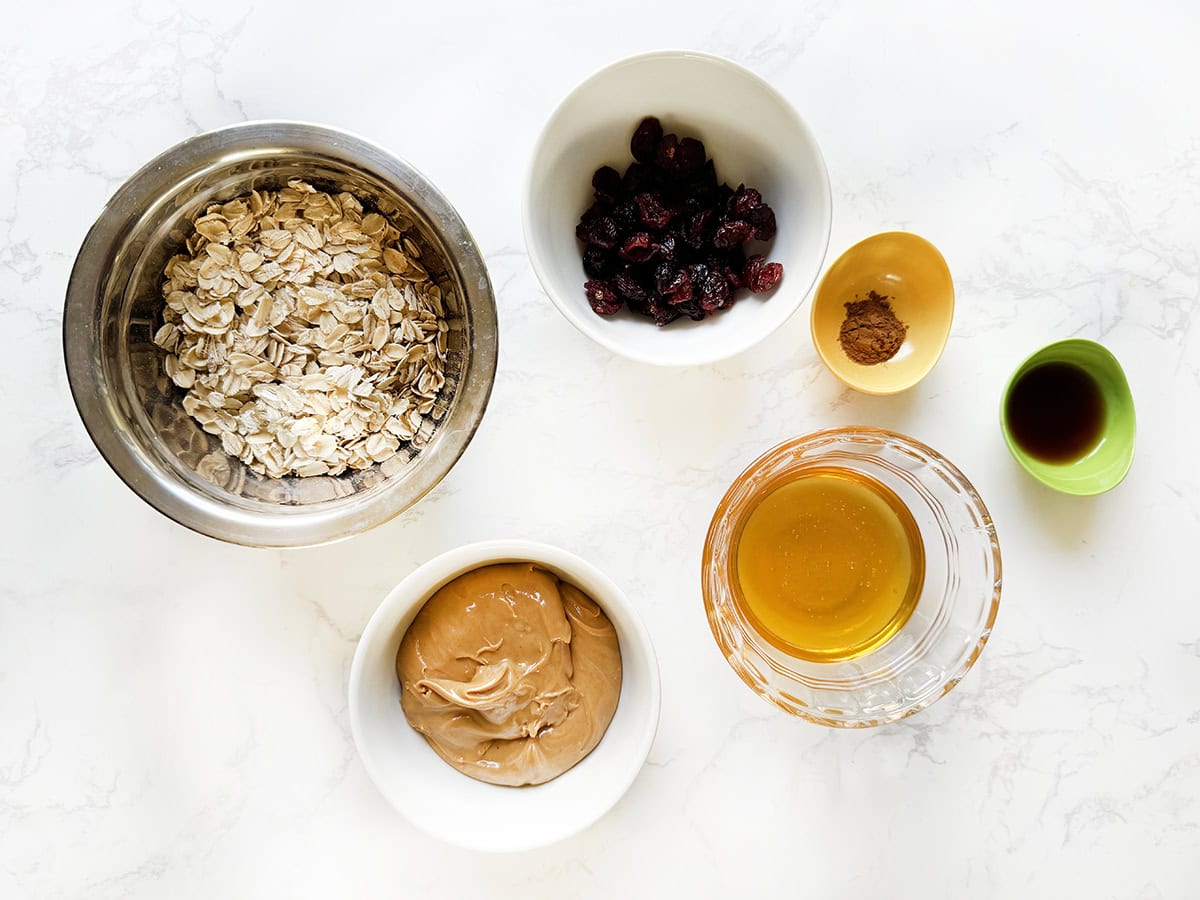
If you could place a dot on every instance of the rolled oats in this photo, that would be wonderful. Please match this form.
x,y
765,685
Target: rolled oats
x,y
305,334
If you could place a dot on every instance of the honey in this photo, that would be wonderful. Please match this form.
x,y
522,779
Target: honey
x,y
828,565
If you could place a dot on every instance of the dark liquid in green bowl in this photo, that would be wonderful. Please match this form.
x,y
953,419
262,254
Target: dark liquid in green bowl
x,y
1056,413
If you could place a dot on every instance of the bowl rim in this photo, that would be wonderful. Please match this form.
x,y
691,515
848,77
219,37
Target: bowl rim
x,y
418,586
279,527
728,652
581,322
900,386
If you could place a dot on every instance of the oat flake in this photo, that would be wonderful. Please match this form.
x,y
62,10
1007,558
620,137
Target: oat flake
x,y
306,335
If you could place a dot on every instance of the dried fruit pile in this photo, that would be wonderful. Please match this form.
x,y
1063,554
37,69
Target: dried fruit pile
x,y
666,239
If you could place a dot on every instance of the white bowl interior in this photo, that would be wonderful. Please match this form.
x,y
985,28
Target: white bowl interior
x,y
458,809
753,135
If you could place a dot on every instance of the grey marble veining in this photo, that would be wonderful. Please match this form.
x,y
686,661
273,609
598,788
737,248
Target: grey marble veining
x,y
174,709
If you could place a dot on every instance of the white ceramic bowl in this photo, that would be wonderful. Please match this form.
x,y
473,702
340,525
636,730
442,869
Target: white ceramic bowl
x,y
754,136
458,809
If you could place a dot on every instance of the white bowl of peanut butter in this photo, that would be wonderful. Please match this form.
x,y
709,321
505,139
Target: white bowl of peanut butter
x,y
504,695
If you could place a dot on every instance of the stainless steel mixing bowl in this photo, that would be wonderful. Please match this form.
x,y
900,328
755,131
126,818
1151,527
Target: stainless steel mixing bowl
x,y
134,413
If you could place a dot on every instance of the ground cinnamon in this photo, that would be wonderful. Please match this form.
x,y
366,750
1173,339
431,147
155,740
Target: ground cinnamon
x,y
871,333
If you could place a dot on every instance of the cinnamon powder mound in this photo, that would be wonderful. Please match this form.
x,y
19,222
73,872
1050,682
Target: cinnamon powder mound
x,y
871,333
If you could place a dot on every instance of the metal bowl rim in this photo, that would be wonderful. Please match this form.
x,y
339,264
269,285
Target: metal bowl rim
x,y
288,526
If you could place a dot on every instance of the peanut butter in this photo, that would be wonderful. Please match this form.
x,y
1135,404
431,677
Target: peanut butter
x,y
511,674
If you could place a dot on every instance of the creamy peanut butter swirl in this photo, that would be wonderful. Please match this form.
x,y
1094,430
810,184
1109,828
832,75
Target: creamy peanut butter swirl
x,y
511,674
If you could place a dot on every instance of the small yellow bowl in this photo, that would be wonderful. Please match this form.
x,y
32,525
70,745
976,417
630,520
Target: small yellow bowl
x,y
913,275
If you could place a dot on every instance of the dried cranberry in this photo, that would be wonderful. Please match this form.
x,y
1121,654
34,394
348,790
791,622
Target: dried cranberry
x,y
646,137
627,286
666,153
698,197
762,217
732,234
626,217
715,292
652,211
689,158
663,314
601,232
602,298
666,238
735,256
696,233
705,181
731,273
690,205
639,248
667,247
640,306
638,178
607,183
744,199
761,276
593,212
680,159
676,288
595,262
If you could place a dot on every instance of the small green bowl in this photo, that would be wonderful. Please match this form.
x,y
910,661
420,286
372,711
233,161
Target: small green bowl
x,y
1106,465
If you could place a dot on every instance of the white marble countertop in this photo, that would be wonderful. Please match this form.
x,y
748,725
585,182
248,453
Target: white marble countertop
x,y
174,709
